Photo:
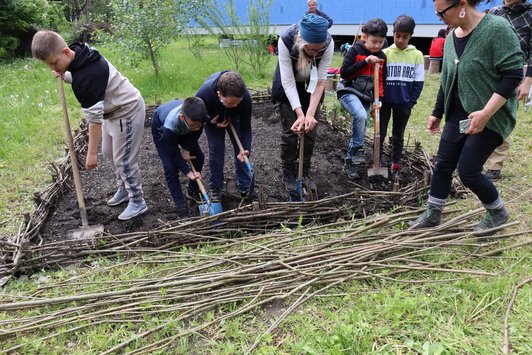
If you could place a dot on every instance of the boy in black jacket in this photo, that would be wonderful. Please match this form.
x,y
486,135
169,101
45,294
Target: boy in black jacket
x,y
179,124
227,100
355,89
112,107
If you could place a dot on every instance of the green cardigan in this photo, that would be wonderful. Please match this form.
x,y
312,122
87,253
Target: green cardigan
x,y
492,48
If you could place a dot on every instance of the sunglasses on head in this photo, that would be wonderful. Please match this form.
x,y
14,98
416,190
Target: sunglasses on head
x,y
441,14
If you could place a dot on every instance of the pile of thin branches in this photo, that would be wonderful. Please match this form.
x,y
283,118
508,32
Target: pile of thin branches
x,y
237,276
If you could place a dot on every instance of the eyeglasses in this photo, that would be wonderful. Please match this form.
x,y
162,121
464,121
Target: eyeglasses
x,y
193,125
441,14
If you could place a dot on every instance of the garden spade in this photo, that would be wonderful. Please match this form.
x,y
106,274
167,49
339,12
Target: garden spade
x,y
207,207
376,169
86,231
246,159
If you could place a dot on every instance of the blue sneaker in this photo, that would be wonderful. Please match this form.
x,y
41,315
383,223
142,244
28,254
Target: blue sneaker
x,y
121,195
133,209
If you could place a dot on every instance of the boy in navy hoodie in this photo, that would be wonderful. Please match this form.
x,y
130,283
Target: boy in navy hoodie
x,y
178,124
355,89
112,107
227,100
402,87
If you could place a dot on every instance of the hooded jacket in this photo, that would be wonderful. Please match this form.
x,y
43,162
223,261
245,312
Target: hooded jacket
x,y
101,90
240,115
357,74
405,76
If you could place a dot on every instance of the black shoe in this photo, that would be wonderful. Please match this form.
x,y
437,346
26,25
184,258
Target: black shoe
x,y
359,158
492,218
289,180
493,175
216,195
183,212
194,194
351,169
430,218
248,195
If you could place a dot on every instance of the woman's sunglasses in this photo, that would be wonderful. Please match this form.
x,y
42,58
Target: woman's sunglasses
x,y
441,14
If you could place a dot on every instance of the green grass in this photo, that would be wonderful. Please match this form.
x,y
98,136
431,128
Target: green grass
x,y
447,317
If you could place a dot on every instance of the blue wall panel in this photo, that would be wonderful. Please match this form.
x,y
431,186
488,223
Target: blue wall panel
x,y
351,12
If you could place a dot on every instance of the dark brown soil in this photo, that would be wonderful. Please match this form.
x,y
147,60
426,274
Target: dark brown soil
x,y
98,185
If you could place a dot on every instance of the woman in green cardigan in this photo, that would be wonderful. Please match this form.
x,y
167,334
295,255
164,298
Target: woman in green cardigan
x,y
482,67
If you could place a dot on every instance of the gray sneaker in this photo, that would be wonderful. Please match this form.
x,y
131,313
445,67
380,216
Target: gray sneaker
x,y
133,209
492,218
121,195
430,218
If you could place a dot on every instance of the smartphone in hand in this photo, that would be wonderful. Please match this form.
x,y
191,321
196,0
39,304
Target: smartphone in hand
x,y
464,125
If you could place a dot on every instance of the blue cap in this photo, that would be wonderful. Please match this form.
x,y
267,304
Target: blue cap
x,y
313,28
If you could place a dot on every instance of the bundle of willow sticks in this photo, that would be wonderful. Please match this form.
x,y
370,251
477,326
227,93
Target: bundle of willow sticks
x,y
190,291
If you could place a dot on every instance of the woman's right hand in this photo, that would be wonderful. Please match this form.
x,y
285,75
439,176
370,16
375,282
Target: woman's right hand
x,y
433,125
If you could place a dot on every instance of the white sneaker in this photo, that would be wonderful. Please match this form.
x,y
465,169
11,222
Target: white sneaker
x,y
121,195
133,209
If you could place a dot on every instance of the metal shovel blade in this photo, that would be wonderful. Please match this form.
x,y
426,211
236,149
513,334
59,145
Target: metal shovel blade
x,y
86,232
377,170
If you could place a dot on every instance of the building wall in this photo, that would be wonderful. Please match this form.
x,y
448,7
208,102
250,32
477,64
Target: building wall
x,y
349,14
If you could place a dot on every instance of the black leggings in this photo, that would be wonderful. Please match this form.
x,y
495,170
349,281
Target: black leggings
x,y
469,153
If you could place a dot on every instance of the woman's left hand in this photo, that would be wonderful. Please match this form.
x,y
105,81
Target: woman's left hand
x,y
479,119
310,123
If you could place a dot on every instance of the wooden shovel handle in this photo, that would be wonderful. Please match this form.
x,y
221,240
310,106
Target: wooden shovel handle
x,y
73,157
198,180
239,143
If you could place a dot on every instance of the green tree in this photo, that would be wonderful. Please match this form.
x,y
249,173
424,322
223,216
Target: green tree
x,y
243,43
17,18
143,27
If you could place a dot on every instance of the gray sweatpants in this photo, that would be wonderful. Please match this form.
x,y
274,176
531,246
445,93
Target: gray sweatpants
x,y
121,142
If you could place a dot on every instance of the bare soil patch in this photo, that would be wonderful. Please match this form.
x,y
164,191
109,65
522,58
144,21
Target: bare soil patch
x,y
327,163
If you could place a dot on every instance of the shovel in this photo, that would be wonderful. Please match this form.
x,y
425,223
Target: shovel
x,y
246,159
207,208
86,231
376,169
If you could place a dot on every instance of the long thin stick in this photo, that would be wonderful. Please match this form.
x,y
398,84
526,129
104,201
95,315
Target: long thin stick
x,y
506,342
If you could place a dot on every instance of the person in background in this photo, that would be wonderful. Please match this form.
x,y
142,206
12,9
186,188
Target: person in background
x,y
479,101
227,100
313,9
305,53
112,107
355,89
178,124
402,86
436,46
519,14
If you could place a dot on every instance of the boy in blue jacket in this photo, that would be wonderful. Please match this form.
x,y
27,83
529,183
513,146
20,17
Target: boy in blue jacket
x,y
178,124
227,100
402,87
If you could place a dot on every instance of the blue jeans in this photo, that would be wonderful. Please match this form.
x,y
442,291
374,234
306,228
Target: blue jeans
x,y
216,140
171,171
359,113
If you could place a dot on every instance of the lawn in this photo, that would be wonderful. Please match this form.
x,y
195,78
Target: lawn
x,y
440,315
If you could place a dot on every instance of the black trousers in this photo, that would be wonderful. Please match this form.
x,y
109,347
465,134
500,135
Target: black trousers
x,y
289,140
468,153
399,121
